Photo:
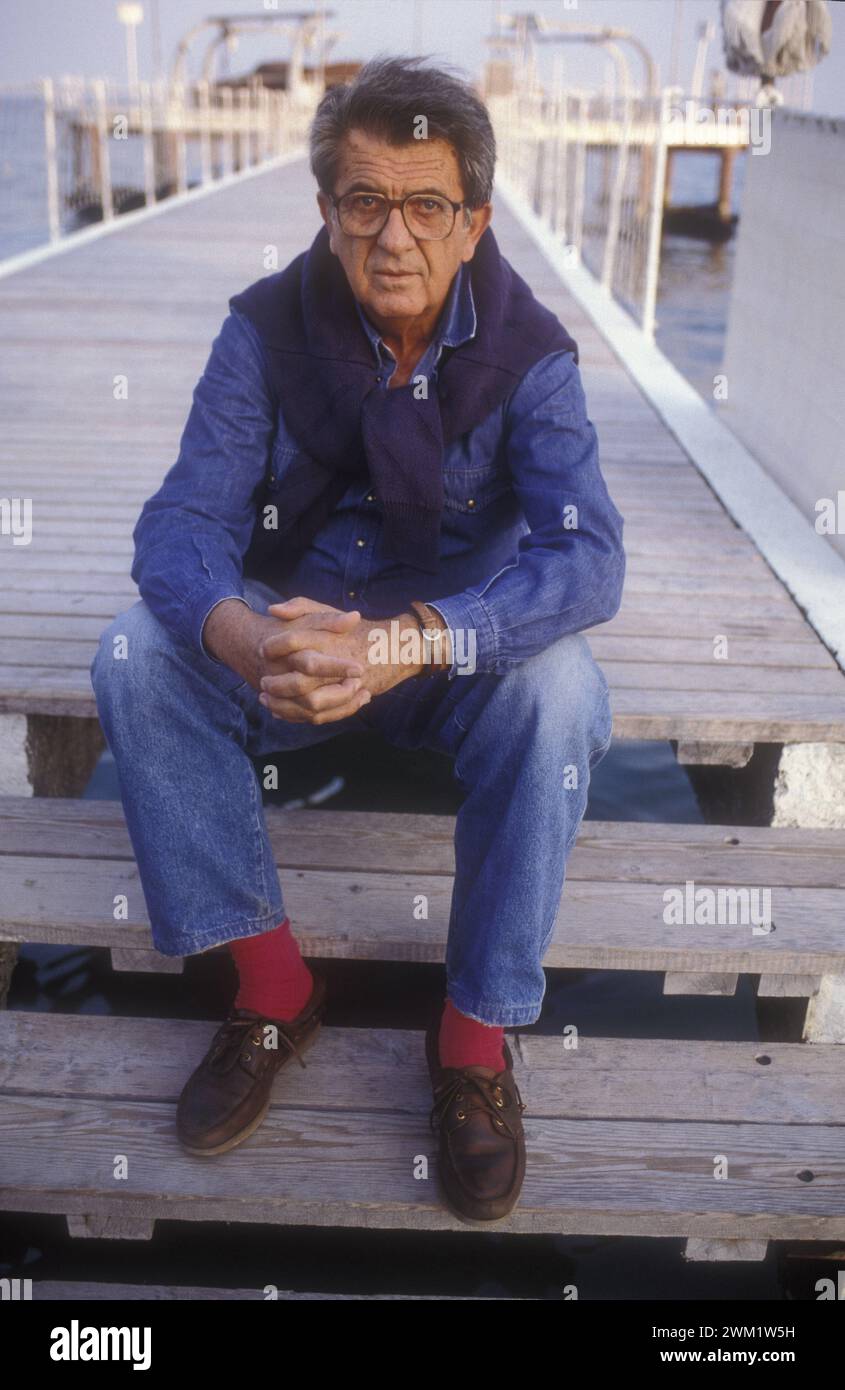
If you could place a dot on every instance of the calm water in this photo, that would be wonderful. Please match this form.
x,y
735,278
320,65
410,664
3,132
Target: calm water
x,y
636,781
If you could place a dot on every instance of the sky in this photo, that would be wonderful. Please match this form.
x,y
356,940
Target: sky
x,y
41,38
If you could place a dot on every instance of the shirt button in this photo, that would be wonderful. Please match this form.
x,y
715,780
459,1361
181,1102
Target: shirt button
x,y
471,502
371,497
360,542
350,593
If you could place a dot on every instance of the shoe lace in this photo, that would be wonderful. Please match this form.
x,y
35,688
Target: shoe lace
x,y
229,1039
482,1087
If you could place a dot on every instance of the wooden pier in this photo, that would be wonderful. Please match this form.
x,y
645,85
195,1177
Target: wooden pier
x,y
107,341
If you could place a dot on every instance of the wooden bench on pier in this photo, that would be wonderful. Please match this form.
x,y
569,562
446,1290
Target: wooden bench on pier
x,y
624,1135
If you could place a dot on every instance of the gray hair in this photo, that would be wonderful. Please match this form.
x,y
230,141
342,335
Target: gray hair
x,y
387,98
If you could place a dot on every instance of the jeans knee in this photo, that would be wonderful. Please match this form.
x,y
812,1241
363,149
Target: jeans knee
x,y
564,683
126,647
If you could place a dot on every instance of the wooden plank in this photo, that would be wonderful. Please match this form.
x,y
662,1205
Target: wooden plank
x,y
655,720
605,851
640,623
319,1168
85,1291
45,556
31,574
722,676
336,1161
723,716
62,652
19,675
716,754
700,982
353,1070
37,640
37,651
110,1224
145,961
708,1251
788,986
613,926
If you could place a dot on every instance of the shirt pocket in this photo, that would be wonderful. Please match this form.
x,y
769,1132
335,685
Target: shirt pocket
x,y
471,490
290,466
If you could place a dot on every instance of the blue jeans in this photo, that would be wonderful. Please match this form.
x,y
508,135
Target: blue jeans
x,y
183,729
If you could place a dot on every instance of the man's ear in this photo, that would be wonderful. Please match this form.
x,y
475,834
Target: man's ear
x,y
324,204
478,226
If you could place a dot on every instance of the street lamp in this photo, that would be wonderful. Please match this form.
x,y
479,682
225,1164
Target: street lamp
x,y
131,16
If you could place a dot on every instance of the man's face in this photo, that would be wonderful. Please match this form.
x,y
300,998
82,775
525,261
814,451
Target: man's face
x,y
393,275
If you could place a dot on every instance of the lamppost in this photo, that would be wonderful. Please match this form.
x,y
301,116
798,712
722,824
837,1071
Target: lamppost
x,y
130,17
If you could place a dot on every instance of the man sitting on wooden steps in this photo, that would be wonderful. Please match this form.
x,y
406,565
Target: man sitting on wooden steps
x,y
387,513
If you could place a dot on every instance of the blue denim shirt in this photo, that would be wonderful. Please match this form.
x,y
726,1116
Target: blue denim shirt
x,y
530,545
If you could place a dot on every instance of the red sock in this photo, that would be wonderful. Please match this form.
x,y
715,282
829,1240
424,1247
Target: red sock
x,y
464,1042
273,978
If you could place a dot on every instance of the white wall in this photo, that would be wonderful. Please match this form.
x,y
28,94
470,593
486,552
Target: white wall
x,y
785,348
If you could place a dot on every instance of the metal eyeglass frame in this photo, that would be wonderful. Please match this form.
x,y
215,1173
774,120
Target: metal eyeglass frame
x,y
390,204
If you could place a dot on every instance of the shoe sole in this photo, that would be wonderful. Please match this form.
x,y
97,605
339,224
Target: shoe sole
x,y
253,1124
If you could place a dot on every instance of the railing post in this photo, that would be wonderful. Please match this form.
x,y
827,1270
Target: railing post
x,y
148,144
53,218
655,227
561,168
254,126
243,129
580,181
103,153
207,172
178,103
226,140
278,121
614,212
266,127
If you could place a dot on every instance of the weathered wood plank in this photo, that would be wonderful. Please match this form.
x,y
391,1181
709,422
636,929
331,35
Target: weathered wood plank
x,y
57,641
605,851
350,1070
708,1251
721,754
316,1167
599,925
702,982
87,1291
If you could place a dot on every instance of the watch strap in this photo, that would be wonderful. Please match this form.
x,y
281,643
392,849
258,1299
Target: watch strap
x,y
432,627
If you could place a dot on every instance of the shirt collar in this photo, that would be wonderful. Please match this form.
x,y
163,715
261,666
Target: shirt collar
x,y
457,322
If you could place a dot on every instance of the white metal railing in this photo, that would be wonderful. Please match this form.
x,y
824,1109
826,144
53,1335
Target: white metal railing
x,y
78,151
593,168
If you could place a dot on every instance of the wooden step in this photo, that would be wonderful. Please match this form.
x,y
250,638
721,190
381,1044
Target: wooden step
x,y
351,881
623,1135
53,1291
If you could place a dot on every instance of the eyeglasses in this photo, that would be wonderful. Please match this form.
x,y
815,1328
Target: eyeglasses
x,y
427,216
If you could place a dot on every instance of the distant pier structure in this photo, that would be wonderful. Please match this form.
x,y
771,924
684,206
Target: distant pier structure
x,y
624,117
112,149
598,166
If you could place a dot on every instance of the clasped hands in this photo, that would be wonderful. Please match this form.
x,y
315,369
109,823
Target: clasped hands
x,y
311,662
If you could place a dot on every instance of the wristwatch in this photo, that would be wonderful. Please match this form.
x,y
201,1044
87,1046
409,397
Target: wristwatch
x,y
433,628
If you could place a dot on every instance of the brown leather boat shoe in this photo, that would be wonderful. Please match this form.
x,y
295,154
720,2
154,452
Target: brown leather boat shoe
x,y
225,1099
478,1112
